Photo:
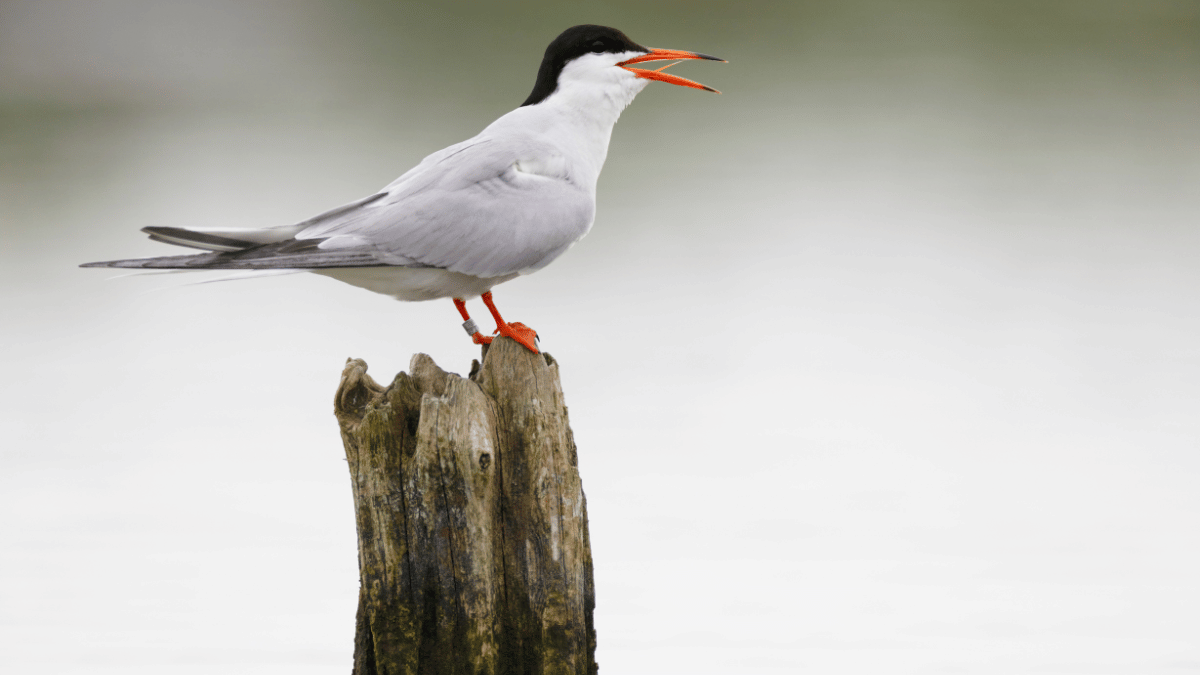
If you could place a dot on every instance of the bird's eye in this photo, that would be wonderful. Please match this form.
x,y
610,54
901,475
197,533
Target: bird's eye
x,y
597,47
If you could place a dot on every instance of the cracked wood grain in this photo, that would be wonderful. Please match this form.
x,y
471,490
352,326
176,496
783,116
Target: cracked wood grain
x,y
474,555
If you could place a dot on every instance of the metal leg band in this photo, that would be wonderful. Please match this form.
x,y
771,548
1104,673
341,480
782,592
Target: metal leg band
x,y
470,327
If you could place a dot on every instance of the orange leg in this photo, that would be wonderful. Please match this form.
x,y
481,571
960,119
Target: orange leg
x,y
469,324
523,334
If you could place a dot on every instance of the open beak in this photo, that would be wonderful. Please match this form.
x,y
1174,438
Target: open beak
x,y
668,55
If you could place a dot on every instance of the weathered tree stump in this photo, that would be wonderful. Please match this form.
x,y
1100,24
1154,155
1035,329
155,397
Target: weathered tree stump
x,y
473,544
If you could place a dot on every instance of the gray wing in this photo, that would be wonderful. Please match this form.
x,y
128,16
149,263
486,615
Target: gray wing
x,y
487,207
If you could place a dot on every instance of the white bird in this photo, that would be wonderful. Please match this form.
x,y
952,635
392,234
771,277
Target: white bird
x,y
502,204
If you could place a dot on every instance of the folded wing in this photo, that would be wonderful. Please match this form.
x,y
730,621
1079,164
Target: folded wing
x,y
473,208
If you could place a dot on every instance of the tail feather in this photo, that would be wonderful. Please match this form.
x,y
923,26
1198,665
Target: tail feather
x,y
273,248
196,239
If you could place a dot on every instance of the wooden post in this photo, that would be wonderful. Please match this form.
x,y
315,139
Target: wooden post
x,y
473,544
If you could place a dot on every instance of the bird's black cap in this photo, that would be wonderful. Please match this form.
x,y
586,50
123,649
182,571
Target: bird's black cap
x,y
573,43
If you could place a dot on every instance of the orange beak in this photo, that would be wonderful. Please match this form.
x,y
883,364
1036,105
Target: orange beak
x,y
668,55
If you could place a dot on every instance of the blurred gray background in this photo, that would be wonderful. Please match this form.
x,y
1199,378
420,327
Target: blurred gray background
x,y
887,360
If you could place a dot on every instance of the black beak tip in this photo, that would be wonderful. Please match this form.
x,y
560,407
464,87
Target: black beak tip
x,y
707,57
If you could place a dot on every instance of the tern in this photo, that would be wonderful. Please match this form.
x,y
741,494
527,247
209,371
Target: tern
x,y
489,209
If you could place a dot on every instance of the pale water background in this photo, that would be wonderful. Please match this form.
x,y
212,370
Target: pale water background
x,y
885,361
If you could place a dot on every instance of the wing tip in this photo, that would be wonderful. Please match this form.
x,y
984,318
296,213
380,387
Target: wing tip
x,y
116,263
175,262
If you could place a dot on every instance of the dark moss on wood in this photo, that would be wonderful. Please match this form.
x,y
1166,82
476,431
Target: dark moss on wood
x,y
474,553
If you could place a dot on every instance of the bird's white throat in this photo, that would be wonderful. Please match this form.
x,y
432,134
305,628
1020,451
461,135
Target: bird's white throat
x,y
594,86
579,116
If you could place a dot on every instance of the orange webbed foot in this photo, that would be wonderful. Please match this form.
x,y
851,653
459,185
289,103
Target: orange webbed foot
x,y
526,336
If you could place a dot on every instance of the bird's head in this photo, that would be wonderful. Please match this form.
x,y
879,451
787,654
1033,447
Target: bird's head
x,y
596,56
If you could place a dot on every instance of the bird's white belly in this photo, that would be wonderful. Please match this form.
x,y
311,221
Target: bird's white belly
x,y
414,284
